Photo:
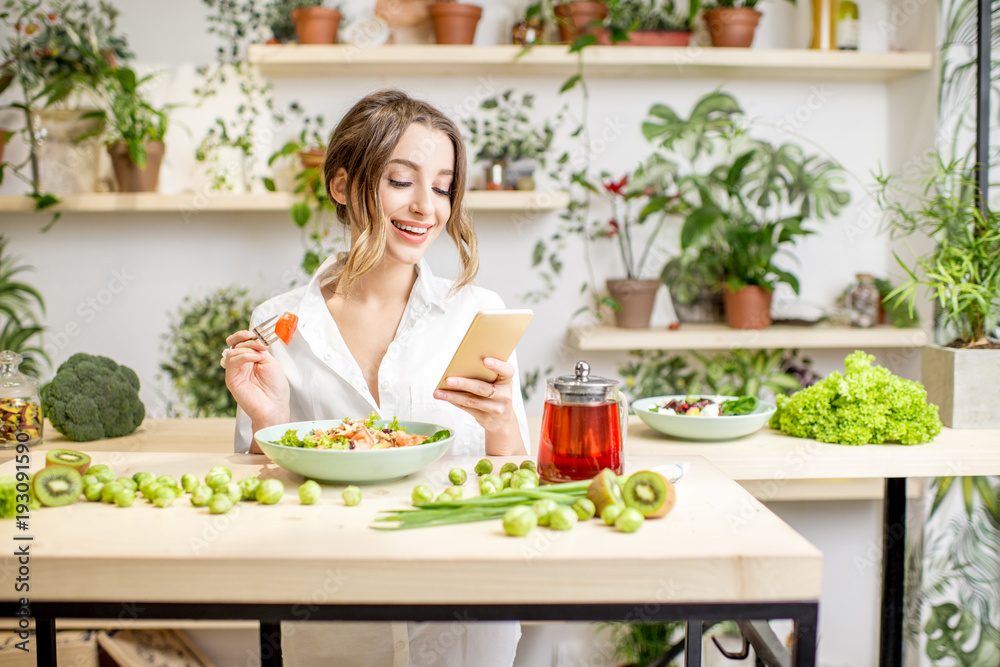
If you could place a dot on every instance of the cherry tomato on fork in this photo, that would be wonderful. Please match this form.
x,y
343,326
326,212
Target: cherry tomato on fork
x,y
285,327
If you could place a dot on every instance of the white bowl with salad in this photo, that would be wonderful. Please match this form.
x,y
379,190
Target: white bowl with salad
x,y
354,451
704,416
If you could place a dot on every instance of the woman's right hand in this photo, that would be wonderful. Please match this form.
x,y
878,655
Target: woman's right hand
x,y
256,381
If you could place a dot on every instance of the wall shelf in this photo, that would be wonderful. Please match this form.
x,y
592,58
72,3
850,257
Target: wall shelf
x,y
721,337
112,202
601,61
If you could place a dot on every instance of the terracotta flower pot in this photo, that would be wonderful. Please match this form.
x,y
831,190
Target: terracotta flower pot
x,y
455,22
636,297
732,26
132,179
658,38
747,308
316,25
574,19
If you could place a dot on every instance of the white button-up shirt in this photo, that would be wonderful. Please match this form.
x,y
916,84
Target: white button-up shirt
x,y
326,382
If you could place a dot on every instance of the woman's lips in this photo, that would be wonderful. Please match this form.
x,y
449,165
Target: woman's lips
x,y
412,237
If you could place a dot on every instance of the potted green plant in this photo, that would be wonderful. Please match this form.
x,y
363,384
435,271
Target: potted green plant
x,y
316,23
134,131
653,22
962,274
313,212
57,56
505,138
743,200
732,23
198,330
20,304
455,22
581,18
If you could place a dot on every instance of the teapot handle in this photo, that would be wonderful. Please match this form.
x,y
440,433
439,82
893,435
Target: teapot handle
x,y
623,409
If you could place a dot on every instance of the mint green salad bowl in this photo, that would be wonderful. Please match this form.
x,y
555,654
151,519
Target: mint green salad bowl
x,y
702,427
340,466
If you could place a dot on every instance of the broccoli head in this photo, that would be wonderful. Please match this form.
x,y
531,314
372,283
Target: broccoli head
x,y
92,397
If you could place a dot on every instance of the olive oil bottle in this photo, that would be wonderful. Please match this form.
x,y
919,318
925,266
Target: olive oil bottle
x,y
847,25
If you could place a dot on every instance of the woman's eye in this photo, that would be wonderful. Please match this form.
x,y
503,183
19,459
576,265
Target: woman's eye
x,y
443,191
399,184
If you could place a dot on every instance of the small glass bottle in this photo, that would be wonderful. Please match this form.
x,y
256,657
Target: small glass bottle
x,y
847,26
864,302
20,404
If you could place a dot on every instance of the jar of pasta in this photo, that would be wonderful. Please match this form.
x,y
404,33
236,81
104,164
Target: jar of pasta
x,y
20,404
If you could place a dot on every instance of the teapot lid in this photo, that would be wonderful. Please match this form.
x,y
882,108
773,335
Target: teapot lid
x,y
583,387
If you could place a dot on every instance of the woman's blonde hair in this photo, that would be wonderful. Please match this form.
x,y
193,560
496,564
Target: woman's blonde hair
x,y
362,145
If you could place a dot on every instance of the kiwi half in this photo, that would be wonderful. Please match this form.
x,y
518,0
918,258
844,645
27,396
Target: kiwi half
x,y
649,492
57,485
69,459
605,490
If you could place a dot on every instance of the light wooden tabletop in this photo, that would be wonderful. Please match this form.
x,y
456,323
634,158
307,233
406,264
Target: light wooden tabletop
x,y
718,544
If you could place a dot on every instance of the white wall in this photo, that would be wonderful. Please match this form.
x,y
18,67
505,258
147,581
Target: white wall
x,y
111,281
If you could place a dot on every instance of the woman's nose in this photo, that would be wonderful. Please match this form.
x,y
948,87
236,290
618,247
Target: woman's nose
x,y
422,203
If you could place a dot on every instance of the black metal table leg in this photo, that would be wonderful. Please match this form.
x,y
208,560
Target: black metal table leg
x,y
893,572
270,644
45,641
692,644
806,637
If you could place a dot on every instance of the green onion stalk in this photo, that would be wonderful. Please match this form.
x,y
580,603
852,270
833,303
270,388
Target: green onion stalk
x,y
481,508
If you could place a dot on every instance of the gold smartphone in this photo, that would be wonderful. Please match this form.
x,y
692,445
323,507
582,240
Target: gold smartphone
x,y
493,333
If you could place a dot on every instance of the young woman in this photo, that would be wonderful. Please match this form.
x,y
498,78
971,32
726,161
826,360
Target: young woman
x,y
376,331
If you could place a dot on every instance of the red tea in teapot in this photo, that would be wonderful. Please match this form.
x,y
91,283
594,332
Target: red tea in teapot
x,y
578,441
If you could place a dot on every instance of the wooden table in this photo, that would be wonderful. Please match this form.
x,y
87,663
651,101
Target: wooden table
x,y
324,562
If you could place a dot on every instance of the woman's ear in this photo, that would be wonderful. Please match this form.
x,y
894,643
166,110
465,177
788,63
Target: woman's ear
x,y
338,186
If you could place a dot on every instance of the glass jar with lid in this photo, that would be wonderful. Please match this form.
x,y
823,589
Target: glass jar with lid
x,y
20,404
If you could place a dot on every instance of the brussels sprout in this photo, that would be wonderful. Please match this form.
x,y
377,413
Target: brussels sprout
x,y
510,467
522,482
270,491
125,497
110,490
457,476
629,520
351,496
309,492
505,478
221,470
190,482
611,512
169,480
149,488
141,477
519,521
528,464
544,509
584,508
128,483
214,480
220,503
484,467
249,486
562,518
233,490
102,472
422,494
92,492
455,492
164,496
201,495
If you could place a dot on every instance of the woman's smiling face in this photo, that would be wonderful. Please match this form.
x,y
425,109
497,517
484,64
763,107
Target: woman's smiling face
x,y
415,192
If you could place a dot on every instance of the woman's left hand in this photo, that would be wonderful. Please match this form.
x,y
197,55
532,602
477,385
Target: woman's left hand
x,y
491,405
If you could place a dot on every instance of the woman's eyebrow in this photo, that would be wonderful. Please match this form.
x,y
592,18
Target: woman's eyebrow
x,y
415,167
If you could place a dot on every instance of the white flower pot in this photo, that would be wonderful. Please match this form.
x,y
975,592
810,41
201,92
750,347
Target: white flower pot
x,y
964,384
65,166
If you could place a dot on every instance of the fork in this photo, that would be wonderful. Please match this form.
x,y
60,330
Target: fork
x,y
265,331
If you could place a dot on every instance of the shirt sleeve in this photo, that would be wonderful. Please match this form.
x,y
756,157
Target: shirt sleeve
x,y
517,400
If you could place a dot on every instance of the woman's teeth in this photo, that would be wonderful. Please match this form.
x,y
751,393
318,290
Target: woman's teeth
x,y
408,228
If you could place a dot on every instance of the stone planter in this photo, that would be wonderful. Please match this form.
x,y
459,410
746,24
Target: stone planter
x,y
636,298
67,166
707,308
964,384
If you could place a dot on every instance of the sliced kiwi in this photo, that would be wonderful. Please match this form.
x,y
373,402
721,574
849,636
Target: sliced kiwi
x,y
605,490
57,485
649,492
68,458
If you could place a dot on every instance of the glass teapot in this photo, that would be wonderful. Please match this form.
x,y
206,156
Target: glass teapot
x,y
583,427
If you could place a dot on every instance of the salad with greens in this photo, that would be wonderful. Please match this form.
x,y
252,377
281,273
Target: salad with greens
x,y
359,434
707,406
